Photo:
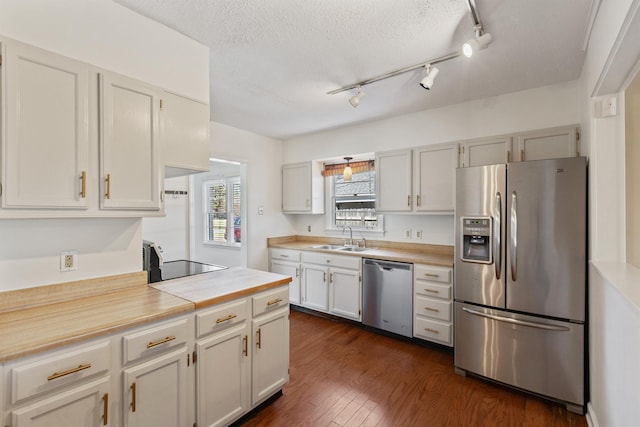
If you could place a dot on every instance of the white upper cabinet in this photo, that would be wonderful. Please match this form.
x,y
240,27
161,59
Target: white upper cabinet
x,y
45,151
129,144
185,131
302,188
434,177
485,151
421,180
548,144
393,181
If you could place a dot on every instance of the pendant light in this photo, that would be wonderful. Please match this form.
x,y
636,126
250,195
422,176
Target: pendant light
x,y
347,173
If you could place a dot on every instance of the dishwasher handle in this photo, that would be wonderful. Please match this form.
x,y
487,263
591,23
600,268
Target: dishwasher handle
x,y
387,265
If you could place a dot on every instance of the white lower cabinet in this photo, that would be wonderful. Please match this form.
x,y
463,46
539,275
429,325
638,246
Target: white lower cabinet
x,y
61,388
332,284
432,304
287,263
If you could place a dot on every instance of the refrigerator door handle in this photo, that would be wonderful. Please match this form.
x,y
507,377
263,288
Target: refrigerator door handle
x,y
497,253
513,233
517,322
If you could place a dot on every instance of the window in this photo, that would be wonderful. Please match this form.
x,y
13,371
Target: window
x,y
354,202
222,211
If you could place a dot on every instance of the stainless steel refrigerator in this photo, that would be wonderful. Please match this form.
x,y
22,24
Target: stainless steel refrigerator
x,y
520,276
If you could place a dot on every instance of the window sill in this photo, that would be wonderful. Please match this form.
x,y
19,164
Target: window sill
x,y
223,245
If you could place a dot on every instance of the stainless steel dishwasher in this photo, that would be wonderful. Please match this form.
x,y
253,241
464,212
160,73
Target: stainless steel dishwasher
x,y
387,296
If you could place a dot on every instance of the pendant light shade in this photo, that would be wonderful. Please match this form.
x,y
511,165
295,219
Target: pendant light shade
x,y
347,174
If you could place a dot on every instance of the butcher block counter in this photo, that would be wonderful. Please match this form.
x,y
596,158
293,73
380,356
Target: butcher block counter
x,y
37,319
439,255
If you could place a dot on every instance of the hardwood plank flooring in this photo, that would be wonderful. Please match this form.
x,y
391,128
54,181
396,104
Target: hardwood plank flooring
x,y
344,375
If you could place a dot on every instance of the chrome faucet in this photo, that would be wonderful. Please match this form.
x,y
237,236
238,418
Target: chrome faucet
x,y
350,234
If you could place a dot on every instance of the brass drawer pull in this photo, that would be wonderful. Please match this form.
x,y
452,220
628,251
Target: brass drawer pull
x,y
107,193
105,409
259,340
284,256
431,275
433,291
162,341
132,405
225,318
83,184
274,301
431,330
68,372
432,309
245,341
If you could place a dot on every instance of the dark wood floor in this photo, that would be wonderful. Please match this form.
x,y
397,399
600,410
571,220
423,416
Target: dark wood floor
x,y
344,375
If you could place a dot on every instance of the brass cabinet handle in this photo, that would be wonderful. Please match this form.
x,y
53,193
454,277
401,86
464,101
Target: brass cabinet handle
x,y
259,334
435,310
107,193
105,409
418,200
331,278
431,275
83,184
433,291
324,277
284,256
245,341
132,405
297,272
162,341
225,318
68,372
274,301
522,155
431,330
409,200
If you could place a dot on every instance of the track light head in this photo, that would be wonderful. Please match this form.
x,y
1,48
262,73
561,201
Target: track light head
x,y
355,99
427,81
473,45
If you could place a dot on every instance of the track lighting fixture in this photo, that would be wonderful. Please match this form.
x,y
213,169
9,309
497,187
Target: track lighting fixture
x,y
348,173
355,99
476,44
427,81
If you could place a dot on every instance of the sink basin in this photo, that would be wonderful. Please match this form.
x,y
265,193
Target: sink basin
x,y
332,247
353,249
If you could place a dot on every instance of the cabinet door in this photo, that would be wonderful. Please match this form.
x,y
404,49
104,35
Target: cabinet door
x,y
293,270
486,151
302,188
435,178
185,133
85,405
548,144
315,287
155,392
345,293
393,181
223,380
45,156
129,145
270,354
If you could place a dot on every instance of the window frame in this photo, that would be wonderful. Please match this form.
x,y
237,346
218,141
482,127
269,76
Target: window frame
x,y
229,182
330,209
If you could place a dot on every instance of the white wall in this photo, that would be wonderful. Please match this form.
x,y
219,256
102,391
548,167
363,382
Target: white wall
x,y
263,159
544,107
110,36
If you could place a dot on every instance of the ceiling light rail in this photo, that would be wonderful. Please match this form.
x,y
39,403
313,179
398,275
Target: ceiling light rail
x,y
480,41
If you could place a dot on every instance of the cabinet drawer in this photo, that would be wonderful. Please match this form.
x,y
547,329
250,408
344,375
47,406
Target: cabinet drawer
x,y
58,369
433,290
222,317
154,340
432,330
351,262
433,273
285,254
434,308
271,300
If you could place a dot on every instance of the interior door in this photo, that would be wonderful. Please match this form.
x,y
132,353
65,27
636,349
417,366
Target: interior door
x,y
480,193
546,256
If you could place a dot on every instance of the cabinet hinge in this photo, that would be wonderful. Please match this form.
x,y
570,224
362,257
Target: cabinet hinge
x,y
577,143
188,360
194,357
0,59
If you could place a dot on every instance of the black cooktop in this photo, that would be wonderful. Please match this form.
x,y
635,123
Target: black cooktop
x,y
182,268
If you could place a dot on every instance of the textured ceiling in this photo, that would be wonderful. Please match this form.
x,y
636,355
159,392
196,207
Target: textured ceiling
x,y
272,62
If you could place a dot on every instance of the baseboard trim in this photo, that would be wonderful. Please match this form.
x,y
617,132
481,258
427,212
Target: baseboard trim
x,y
592,420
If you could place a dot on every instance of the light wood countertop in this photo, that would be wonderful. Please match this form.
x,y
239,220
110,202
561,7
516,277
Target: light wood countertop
x,y
439,255
47,317
222,285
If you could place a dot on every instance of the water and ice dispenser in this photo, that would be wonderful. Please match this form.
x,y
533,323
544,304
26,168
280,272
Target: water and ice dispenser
x,y
476,239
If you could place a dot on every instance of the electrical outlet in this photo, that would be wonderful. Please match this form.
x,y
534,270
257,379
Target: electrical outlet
x,y
69,261
407,233
419,234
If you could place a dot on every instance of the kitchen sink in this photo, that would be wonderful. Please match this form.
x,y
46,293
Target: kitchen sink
x,y
331,247
341,248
